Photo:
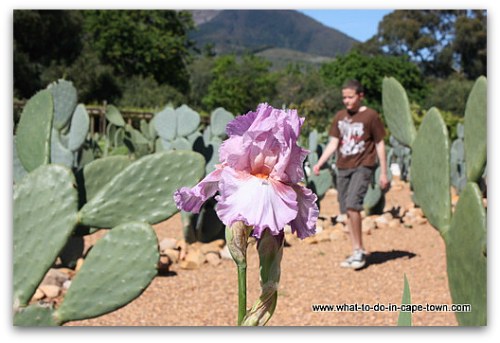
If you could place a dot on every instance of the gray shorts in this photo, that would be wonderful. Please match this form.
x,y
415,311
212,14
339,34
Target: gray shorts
x,y
352,185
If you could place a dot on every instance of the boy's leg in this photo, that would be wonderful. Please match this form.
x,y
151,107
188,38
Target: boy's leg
x,y
358,186
354,221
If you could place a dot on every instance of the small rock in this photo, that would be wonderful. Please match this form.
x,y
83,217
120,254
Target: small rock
x,y
194,259
182,247
50,291
55,277
173,254
368,224
213,246
213,258
310,240
394,223
168,243
38,295
323,236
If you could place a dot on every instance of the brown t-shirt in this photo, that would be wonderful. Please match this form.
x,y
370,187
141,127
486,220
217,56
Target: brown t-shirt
x,y
357,136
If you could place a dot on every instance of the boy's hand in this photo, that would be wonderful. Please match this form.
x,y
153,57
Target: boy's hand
x,y
383,181
316,169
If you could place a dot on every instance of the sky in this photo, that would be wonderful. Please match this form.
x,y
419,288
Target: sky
x,y
348,21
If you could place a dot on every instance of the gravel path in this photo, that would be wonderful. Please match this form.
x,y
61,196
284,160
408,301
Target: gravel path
x,y
310,275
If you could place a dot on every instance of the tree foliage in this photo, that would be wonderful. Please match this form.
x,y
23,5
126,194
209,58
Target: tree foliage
x,y
145,43
441,42
43,38
370,71
239,85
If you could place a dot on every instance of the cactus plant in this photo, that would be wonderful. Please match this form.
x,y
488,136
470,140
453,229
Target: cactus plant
x,y
93,292
127,200
143,188
34,131
45,212
464,231
174,125
65,99
457,160
475,130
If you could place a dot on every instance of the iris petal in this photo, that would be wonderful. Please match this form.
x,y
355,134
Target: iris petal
x,y
305,222
191,199
261,203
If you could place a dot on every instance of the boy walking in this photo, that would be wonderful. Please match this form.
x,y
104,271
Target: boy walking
x,y
357,135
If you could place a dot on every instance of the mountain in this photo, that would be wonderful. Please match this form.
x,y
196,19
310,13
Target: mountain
x,y
237,31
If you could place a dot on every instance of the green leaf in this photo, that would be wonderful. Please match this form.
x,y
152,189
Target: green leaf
x,y
404,318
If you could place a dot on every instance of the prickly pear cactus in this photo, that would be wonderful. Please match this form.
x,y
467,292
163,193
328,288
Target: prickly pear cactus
x,y
466,256
464,232
45,213
98,173
144,190
431,170
475,127
94,290
65,99
175,125
397,111
34,131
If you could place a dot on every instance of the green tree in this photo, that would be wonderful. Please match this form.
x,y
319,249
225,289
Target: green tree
x,y
441,42
470,44
200,73
449,94
146,43
371,70
239,85
43,38
304,89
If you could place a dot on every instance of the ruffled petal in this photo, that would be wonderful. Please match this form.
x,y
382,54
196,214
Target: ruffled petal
x,y
261,203
191,199
305,222
239,125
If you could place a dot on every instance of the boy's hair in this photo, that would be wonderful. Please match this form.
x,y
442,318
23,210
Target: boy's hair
x,y
354,84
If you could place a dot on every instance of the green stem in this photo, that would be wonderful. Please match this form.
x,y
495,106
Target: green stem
x,y
242,292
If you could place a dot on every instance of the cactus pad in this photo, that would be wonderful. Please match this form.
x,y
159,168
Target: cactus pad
x,y
165,123
475,123
117,270
396,109
65,98
466,256
34,315
80,123
187,120
431,170
219,120
45,213
98,173
114,116
34,130
144,190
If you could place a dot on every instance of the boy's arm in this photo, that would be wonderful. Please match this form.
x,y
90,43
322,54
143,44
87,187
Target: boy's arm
x,y
330,149
383,180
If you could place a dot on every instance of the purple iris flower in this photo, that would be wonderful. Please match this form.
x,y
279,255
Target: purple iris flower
x,y
258,176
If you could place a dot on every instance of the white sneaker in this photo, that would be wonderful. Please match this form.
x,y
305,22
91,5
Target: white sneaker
x,y
356,261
